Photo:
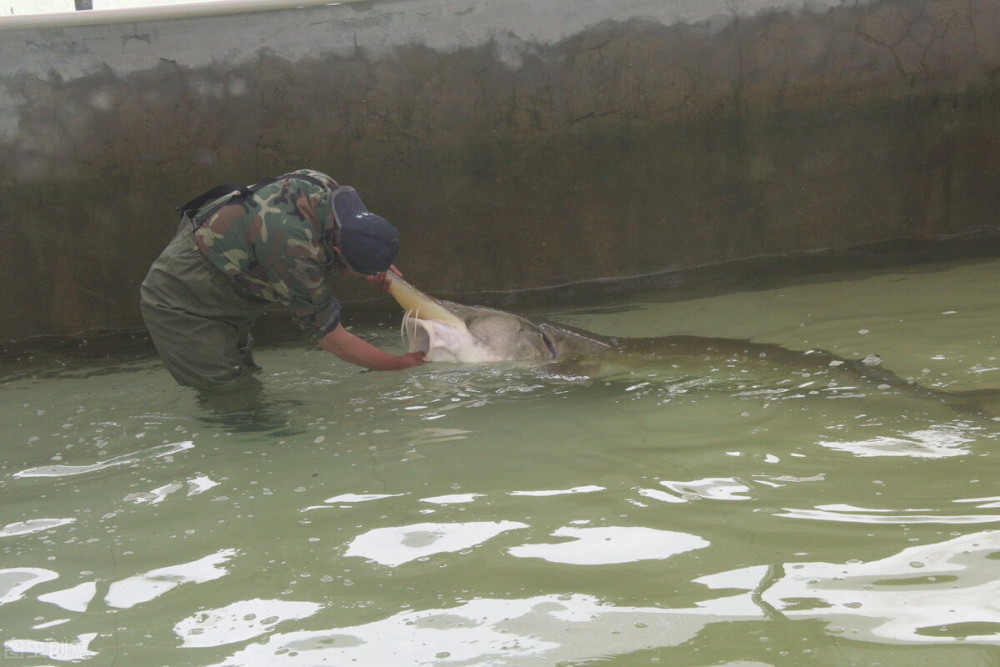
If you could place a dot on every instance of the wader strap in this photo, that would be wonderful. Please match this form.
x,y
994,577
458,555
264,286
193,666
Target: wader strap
x,y
195,205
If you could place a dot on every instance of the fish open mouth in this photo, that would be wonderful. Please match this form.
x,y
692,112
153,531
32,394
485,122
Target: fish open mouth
x,y
439,341
428,326
414,333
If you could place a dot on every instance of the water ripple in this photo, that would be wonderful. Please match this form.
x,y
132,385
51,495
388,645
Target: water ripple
x,y
547,629
610,545
923,594
851,514
140,588
932,443
14,582
239,621
32,526
401,544
711,488
124,459
72,599
591,488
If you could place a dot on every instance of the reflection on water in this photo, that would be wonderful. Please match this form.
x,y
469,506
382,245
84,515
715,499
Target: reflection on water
x,y
924,594
395,546
32,526
144,587
689,513
610,544
240,621
544,630
853,514
938,441
124,459
72,599
15,582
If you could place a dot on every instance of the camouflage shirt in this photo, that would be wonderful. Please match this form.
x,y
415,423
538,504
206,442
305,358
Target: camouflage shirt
x,y
275,246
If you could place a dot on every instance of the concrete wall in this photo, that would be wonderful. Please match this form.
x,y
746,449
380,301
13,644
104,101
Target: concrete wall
x,y
515,143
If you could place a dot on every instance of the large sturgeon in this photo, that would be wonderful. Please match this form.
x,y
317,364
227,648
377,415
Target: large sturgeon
x,y
452,332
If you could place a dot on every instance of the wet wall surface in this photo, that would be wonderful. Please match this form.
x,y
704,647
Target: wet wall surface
x,y
515,144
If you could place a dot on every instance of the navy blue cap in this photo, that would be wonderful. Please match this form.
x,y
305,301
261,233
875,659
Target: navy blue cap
x,y
369,242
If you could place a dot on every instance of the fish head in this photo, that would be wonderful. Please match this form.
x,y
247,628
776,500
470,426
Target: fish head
x,y
448,331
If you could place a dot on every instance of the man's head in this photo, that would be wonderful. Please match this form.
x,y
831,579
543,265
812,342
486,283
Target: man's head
x,y
368,242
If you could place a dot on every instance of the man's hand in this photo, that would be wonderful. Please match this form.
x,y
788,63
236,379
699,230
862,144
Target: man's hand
x,y
382,280
410,359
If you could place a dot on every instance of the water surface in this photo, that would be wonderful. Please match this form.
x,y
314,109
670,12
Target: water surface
x,y
520,515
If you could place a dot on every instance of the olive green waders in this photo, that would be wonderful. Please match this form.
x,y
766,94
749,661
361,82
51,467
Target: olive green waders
x,y
199,322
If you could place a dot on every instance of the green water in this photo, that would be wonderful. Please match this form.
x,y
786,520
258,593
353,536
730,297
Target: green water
x,y
512,515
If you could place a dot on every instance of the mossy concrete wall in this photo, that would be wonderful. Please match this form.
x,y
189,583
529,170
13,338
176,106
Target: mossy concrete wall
x,y
514,143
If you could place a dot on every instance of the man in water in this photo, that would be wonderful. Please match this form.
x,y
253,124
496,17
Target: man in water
x,y
241,249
